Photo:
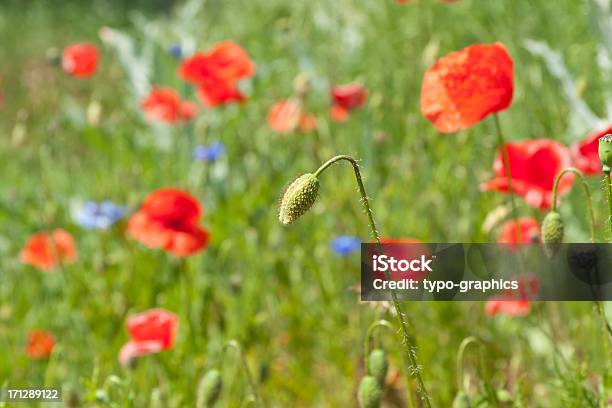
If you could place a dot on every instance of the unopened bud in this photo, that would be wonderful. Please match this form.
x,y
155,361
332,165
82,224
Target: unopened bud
x,y
552,228
369,392
552,232
298,197
378,365
605,152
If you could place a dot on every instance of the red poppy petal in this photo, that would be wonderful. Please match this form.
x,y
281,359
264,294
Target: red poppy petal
x,y
133,349
80,60
188,242
158,325
464,87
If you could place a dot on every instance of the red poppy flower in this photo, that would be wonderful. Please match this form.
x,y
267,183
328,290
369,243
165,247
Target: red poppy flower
x,y
534,165
40,344
217,72
45,250
463,87
168,219
528,228
585,153
165,105
150,332
350,96
514,303
80,60
288,116
346,98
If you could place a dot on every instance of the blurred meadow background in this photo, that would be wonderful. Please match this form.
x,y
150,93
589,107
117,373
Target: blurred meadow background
x,y
283,292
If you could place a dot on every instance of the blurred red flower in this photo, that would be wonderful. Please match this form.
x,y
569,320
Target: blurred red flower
x,y
504,305
464,87
534,165
514,303
529,229
150,332
402,248
80,60
45,250
288,116
40,344
217,72
165,105
346,98
585,153
168,219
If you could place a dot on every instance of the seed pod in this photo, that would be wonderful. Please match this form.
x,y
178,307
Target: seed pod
x,y
552,232
605,152
298,197
378,365
209,389
462,400
369,392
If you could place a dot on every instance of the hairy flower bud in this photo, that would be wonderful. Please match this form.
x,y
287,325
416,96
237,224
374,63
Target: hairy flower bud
x,y
461,400
378,365
552,228
369,392
605,152
552,232
298,197
209,389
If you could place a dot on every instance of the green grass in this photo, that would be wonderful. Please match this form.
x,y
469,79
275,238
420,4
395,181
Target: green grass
x,y
279,291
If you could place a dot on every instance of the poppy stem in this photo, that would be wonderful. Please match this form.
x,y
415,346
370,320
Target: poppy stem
x,y
370,334
409,342
247,372
382,323
608,195
587,192
506,160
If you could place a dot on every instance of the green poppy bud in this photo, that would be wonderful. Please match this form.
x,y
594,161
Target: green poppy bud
x,y
378,365
605,152
462,400
298,197
369,392
209,389
552,228
552,232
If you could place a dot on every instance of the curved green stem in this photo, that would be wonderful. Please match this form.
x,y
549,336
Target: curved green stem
x,y
506,159
587,192
607,330
608,195
481,362
368,339
235,345
460,358
415,369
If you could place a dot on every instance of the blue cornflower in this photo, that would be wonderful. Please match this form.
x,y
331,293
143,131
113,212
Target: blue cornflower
x,y
176,51
209,152
345,244
102,215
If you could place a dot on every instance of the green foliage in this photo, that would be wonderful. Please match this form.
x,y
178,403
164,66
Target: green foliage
x,y
281,291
